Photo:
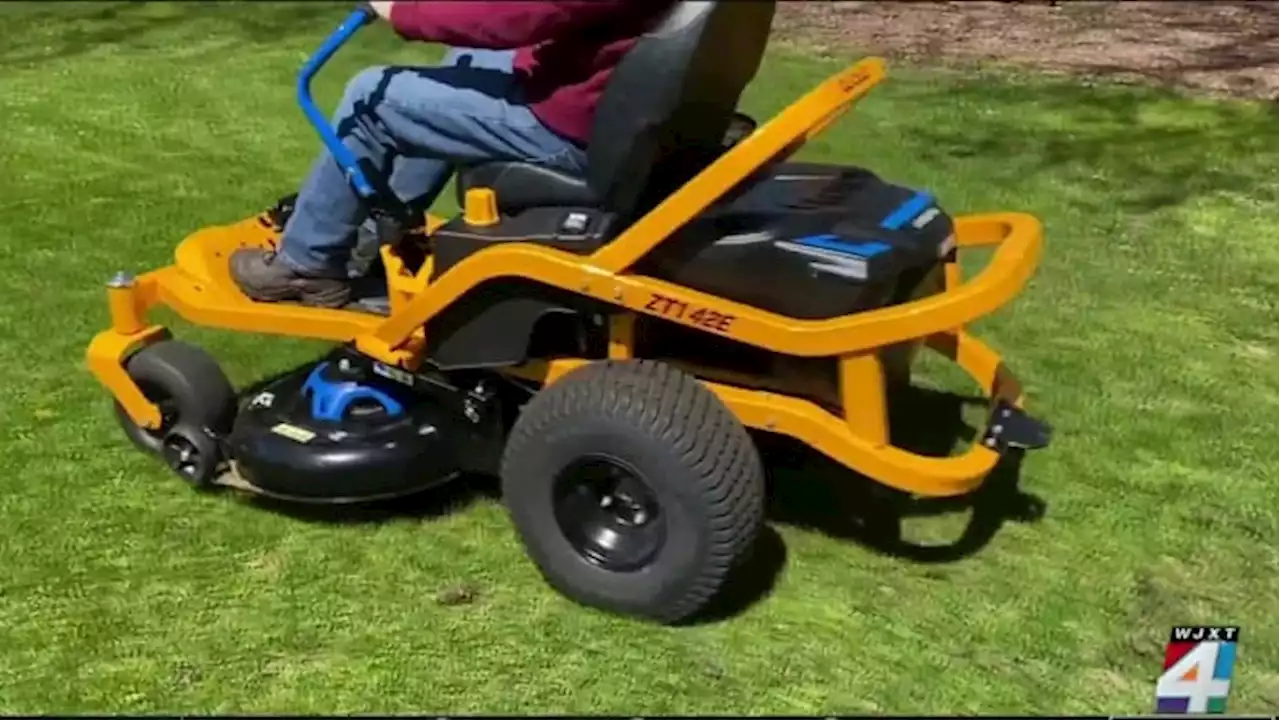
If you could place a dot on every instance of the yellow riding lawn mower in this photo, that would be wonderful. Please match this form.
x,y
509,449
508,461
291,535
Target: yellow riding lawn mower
x,y
604,344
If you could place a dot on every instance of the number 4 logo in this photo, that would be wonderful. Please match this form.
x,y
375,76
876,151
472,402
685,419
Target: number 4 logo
x,y
1202,676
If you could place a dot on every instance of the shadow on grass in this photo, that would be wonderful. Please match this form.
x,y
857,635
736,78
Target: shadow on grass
x,y
44,32
813,492
1134,149
1246,39
806,490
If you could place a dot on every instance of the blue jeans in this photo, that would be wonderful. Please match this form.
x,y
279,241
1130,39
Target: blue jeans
x,y
414,125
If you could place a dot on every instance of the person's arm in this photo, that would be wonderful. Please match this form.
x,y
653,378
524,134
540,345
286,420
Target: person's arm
x,y
495,24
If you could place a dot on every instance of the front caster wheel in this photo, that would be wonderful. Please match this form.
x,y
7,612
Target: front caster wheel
x,y
633,488
197,404
193,455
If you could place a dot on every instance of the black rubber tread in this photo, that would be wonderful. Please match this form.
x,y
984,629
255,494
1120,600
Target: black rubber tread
x,y
663,411
202,396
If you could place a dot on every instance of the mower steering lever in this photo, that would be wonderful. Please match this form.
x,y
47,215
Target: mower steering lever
x,y
346,160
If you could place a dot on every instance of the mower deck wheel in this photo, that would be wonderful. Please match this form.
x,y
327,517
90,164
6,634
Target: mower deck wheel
x,y
197,404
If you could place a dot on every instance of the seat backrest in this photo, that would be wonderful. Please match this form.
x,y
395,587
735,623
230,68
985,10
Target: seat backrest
x,y
669,103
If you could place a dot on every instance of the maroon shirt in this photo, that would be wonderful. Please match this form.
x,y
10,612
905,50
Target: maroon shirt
x,y
565,51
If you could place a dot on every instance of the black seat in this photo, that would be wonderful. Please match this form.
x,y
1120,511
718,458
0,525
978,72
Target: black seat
x,y
525,185
664,114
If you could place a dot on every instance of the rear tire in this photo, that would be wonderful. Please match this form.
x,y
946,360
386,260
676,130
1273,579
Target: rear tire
x,y
197,404
694,488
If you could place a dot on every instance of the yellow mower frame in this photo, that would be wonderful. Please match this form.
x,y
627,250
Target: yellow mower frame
x,y
199,288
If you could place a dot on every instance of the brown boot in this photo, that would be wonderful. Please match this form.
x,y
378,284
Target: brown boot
x,y
262,277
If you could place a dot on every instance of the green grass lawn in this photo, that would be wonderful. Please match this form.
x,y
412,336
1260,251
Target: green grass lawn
x,y
1146,338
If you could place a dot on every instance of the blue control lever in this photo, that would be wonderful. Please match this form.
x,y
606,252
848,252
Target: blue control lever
x,y
345,158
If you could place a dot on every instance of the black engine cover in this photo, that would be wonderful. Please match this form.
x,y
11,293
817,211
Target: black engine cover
x,y
782,243
283,450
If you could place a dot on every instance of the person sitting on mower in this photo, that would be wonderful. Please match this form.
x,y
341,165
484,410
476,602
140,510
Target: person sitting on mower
x,y
520,84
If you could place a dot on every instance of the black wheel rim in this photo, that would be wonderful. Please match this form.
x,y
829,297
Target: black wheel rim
x,y
608,514
186,457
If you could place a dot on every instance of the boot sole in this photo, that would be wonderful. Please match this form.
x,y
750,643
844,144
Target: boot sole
x,y
330,298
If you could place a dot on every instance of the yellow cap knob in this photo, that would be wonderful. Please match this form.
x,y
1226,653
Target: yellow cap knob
x,y
480,207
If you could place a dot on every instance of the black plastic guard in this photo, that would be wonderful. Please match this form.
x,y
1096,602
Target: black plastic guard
x,y
1010,427
281,450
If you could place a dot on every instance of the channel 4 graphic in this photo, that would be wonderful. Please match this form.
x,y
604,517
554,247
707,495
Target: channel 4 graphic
x,y
1197,670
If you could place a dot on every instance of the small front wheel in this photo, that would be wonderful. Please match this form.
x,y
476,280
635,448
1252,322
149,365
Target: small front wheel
x,y
192,454
197,404
633,488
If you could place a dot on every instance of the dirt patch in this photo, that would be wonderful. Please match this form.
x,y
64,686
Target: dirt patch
x,y
1219,48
